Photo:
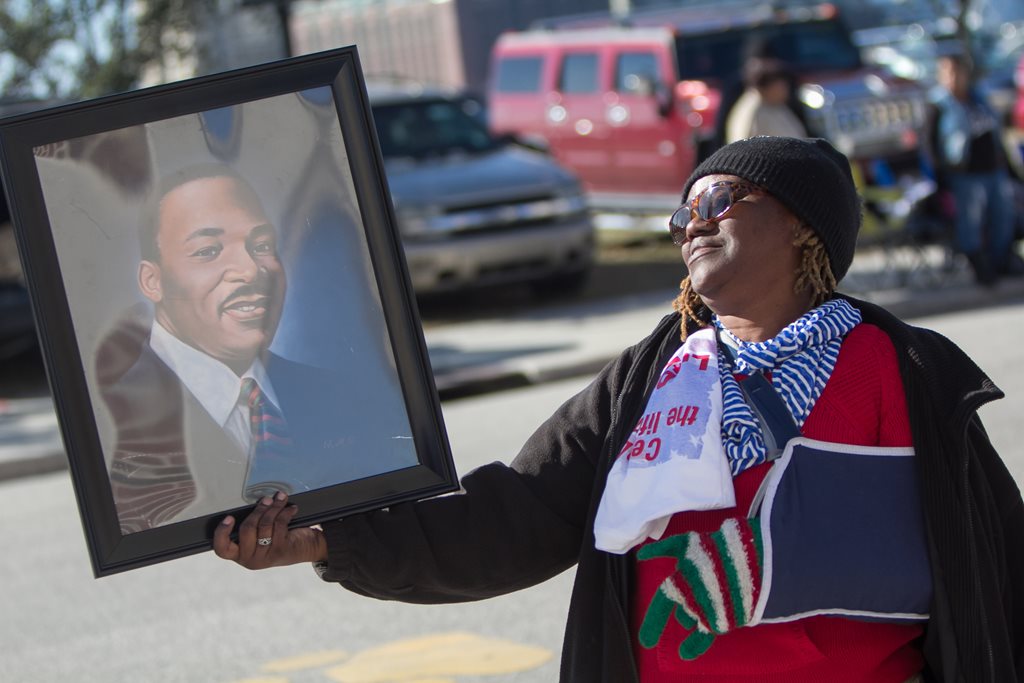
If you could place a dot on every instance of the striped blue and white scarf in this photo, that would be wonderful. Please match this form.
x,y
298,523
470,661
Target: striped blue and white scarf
x,y
800,358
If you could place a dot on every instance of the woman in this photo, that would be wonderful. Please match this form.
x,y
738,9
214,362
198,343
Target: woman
x,y
767,228
764,107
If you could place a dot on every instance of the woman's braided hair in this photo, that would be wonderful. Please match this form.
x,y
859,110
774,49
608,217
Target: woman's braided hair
x,y
814,273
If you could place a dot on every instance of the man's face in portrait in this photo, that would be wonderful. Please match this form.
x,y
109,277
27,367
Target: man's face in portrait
x,y
218,284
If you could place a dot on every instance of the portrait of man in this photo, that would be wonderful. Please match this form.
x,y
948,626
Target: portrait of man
x,y
207,417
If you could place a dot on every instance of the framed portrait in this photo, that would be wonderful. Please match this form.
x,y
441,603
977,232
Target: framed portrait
x,y
223,305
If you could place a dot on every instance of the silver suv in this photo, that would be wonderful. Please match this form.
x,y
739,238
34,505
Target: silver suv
x,y
474,209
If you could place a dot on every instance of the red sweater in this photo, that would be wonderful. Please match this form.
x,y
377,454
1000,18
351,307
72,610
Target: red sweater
x,y
862,404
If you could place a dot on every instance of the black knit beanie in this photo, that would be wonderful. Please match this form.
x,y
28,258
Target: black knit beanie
x,y
810,177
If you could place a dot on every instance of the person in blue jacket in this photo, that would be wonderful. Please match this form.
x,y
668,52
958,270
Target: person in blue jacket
x,y
963,139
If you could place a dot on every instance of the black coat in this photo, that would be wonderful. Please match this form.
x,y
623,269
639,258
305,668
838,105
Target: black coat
x,y
518,525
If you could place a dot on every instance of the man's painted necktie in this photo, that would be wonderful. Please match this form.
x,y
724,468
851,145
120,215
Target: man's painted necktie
x,y
271,446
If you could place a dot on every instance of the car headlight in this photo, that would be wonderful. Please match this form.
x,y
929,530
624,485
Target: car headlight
x,y
569,199
417,221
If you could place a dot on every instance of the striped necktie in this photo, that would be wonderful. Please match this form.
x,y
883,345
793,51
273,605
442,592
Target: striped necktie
x,y
270,447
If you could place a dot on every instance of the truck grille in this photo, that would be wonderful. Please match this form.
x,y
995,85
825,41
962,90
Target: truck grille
x,y
869,126
466,220
875,116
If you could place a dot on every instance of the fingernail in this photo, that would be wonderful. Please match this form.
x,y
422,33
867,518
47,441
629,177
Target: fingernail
x,y
280,495
266,500
228,521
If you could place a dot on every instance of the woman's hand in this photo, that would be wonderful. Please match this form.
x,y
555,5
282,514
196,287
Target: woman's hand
x,y
264,539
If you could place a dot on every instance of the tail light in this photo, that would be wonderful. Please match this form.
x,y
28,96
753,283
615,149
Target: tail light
x,y
697,103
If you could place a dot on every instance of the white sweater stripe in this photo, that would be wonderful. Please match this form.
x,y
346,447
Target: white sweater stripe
x,y
672,592
698,556
741,563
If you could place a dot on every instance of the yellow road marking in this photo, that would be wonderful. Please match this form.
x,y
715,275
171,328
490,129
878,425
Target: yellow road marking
x,y
307,661
450,654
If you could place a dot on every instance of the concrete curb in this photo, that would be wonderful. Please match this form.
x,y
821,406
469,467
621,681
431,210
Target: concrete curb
x,y
30,441
32,465
485,380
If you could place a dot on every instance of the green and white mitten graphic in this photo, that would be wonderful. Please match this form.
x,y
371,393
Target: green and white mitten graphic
x,y
714,588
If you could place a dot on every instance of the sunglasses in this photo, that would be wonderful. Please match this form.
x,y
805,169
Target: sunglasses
x,y
710,206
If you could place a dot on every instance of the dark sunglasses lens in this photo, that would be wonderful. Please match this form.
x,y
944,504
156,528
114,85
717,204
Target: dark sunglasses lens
x,y
677,225
714,202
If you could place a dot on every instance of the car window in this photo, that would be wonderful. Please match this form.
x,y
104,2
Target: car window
x,y
431,127
579,73
802,46
518,74
632,69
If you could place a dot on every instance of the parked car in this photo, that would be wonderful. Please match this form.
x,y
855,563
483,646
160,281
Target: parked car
x,y
474,209
632,107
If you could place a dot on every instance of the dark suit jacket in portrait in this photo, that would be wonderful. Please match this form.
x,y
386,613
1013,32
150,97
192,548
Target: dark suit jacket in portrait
x,y
173,462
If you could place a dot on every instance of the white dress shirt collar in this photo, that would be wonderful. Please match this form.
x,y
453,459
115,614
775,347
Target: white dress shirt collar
x,y
214,384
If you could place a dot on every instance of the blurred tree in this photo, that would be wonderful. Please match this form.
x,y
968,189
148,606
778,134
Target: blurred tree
x,y
283,8
30,38
964,13
85,48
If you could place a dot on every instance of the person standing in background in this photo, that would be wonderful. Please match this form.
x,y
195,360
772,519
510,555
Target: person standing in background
x,y
963,143
763,108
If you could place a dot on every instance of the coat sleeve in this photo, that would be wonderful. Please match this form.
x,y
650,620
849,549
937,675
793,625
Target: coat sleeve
x,y
511,526
1006,519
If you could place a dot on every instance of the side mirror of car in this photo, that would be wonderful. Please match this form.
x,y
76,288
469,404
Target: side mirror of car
x,y
536,143
645,85
663,96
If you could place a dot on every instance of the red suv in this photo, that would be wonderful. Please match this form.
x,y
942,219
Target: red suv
x,y
631,108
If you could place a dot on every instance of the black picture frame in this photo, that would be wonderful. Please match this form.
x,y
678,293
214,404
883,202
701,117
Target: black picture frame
x,y
79,179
